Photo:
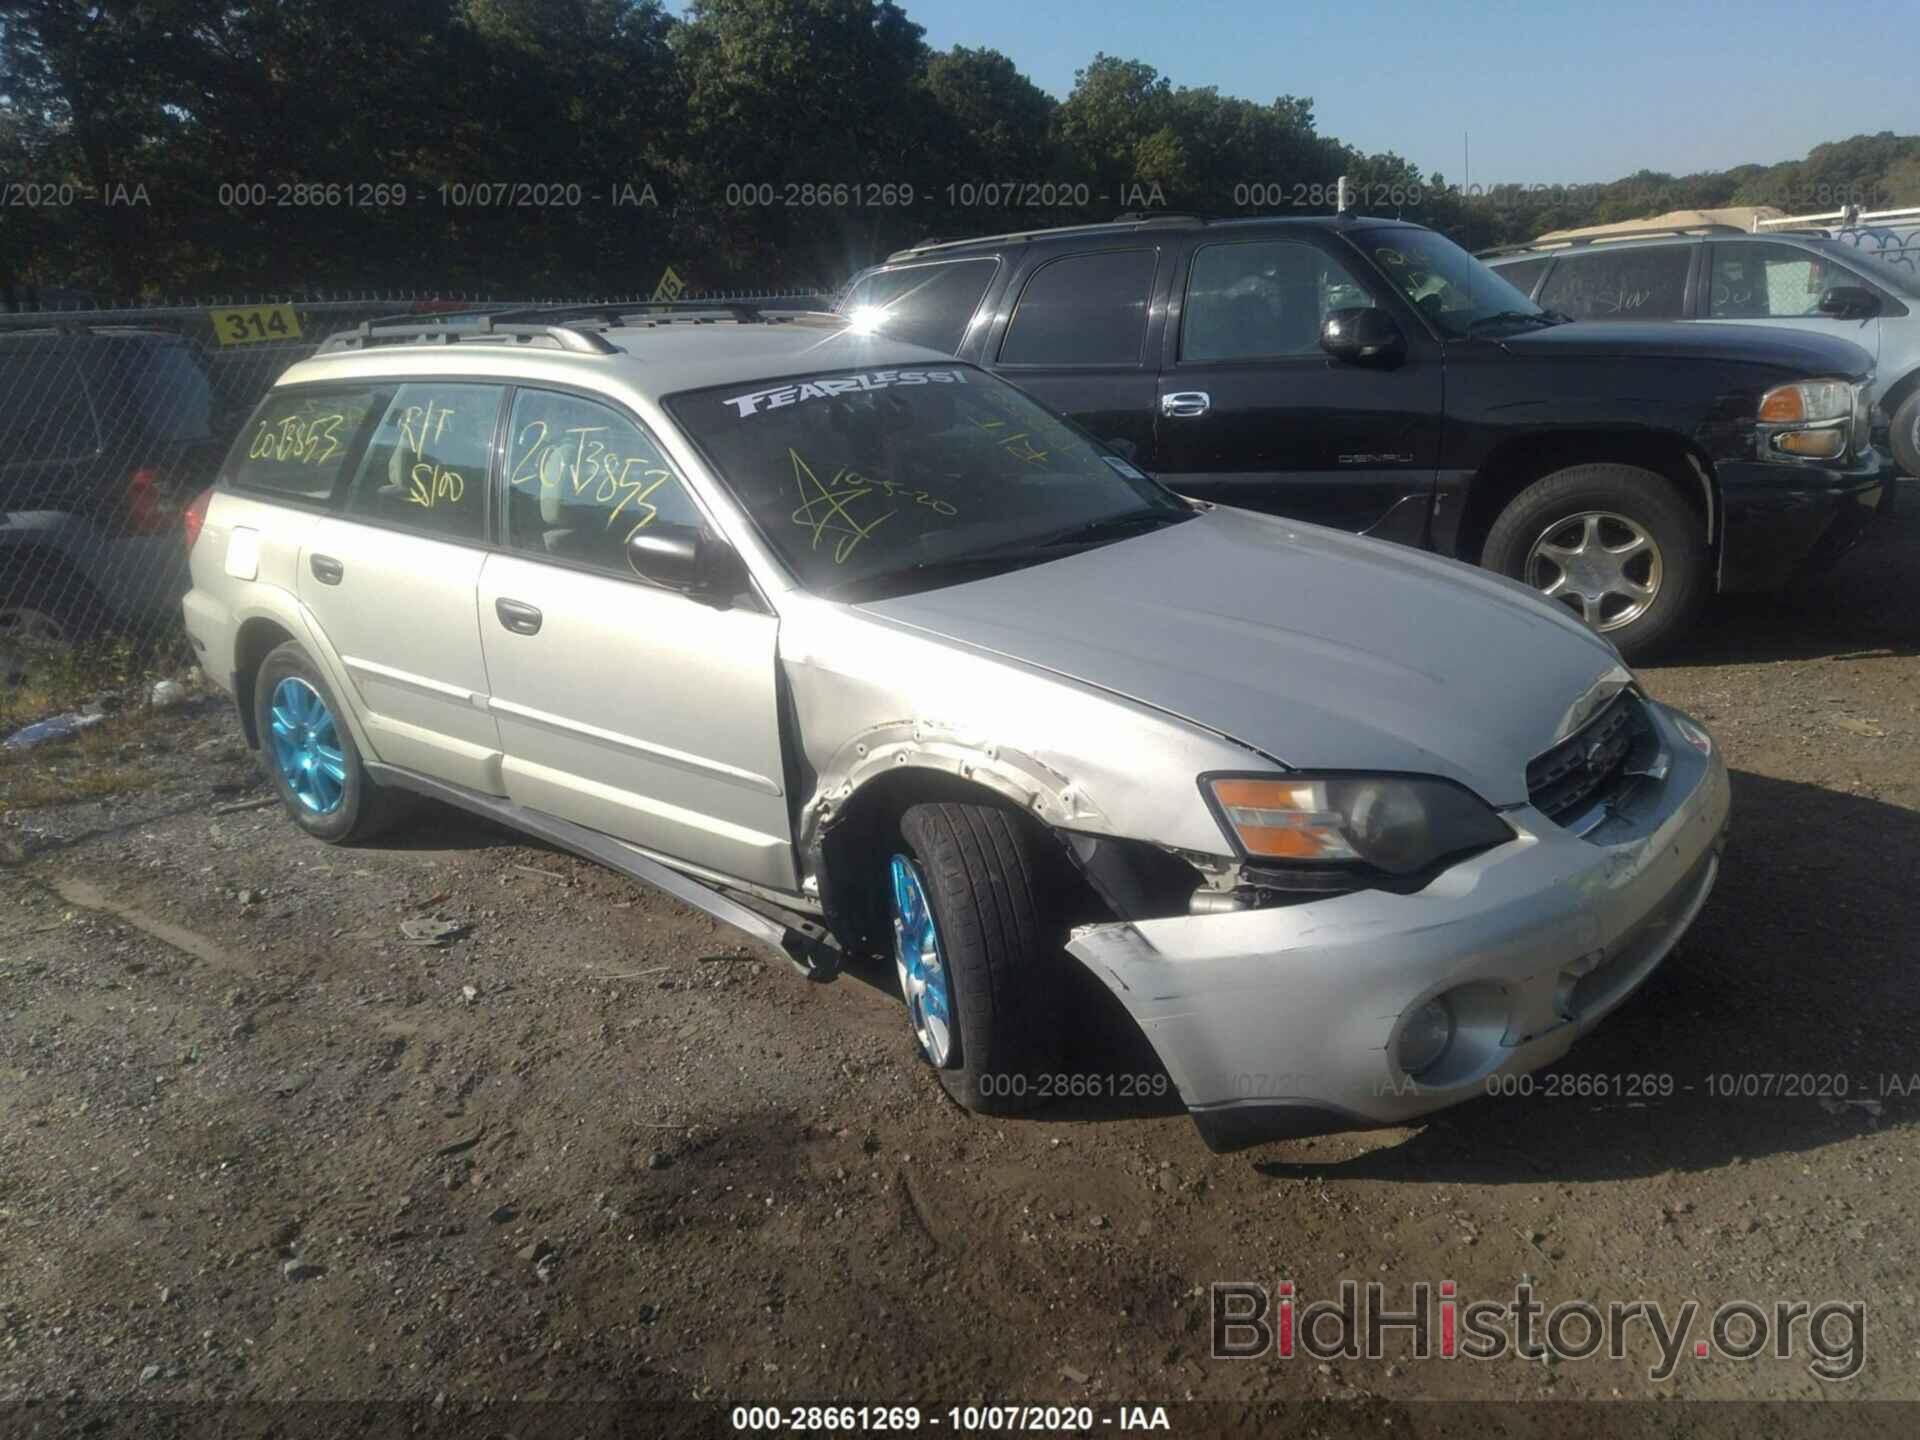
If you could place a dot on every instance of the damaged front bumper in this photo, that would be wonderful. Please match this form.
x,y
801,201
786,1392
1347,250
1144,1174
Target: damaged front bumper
x,y
1278,1023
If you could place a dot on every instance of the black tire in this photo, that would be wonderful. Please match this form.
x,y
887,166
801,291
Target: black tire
x,y
1002,955
1641,497
45,615
1903,434
365,809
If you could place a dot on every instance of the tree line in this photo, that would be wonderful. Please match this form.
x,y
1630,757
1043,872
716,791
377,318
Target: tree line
x,y
572,147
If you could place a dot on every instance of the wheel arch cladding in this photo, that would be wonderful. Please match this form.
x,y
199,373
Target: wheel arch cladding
x,y
258,638
1520,462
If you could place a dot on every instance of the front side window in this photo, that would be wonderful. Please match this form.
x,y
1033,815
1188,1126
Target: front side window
x,y
1521,274
582,479
927,305
300,440
1640,283
891,480
1083,310
427,461
1768,282
1262,299
1459,296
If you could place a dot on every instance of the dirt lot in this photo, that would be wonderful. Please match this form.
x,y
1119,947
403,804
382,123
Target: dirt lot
x,y
257,1144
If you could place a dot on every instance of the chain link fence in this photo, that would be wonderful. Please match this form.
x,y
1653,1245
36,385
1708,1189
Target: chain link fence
x,y
113,420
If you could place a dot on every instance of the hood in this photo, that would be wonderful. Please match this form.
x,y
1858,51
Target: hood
x,y
1801,351
1321,650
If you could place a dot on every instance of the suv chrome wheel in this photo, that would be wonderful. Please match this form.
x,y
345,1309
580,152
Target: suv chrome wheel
x,y
916,952
306,746
1603,566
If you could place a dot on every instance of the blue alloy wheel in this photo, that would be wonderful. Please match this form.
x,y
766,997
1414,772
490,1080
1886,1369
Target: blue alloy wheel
x,y
306,747
923,976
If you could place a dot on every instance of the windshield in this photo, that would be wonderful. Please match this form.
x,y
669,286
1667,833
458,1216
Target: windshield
x,y
1459,296
870,482
1883,257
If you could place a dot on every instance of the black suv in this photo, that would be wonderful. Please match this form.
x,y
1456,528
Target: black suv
x,y
104,430
1373,376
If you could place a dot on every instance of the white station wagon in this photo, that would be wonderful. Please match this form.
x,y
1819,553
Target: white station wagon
x,y
860,649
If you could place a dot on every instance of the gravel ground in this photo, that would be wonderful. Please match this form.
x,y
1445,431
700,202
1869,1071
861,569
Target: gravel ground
x,y
258,1145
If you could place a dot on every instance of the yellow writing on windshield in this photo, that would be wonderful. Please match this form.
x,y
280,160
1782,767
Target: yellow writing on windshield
x,y
823,508
1016,445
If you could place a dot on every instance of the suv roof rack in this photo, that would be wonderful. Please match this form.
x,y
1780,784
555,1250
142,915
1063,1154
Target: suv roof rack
x,y
1129,220
1580,242
623,315
463,329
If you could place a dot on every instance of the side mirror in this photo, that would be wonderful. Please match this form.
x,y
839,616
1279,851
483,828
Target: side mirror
x,y
680,557
1366,336
1850,302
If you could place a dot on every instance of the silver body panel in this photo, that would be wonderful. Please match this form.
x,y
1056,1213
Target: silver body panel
x,y
1092,691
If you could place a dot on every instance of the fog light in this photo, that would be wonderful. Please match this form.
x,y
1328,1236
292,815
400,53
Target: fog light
x,y
1425,1037
1812,444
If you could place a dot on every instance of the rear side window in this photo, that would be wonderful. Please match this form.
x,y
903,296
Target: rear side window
x,y
927,305
167,386
1521,274
300,440
1648,283
46,414
1083,310
427,461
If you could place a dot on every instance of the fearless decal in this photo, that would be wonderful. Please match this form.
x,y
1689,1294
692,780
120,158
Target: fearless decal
x,y
757,401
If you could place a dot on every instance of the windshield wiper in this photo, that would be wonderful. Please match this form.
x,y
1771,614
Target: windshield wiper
x,y
1508,317
1025,551
1108,527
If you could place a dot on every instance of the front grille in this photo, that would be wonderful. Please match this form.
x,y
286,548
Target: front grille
x,y
1589,764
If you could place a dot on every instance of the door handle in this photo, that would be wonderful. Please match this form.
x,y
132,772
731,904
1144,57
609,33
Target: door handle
x,y
1185,403
520,619
326,569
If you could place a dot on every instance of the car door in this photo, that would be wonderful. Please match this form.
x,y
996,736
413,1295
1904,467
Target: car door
x,y
633,710
1766,282
391,577
1252,412
1080,338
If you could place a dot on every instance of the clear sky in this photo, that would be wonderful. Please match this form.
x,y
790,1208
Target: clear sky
x,y
1549,93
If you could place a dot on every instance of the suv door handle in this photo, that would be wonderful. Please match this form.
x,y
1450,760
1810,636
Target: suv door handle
x,y
1185,403
326,569
520,619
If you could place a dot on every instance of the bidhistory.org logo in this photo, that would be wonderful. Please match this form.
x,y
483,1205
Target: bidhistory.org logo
x,y
1436,1322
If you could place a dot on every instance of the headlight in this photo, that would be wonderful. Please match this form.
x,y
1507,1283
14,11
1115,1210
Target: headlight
x,y
1810,419
1393,823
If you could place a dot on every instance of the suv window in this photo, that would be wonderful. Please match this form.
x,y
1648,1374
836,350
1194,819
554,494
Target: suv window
x,y
1522,273
426,463
301,439
927,305
1643,283
1083,310
582,478
167,386
1769,282
1261,299
47,416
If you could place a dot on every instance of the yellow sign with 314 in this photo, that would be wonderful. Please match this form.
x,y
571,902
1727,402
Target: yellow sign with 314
x,y
253,324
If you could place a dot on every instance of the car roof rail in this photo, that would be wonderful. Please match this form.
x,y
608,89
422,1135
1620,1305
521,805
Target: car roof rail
x,y
466,330
1128,220
630,314
1651,232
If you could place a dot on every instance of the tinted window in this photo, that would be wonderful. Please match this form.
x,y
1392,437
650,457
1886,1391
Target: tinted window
x,y
1770,282
166,385
922,304
582,478
1522,273
1262,299
1646,283
426,462
299,440
1083,310
45,413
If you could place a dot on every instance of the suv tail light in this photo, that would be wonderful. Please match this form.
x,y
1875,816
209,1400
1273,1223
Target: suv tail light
x,y
147,509
195,515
